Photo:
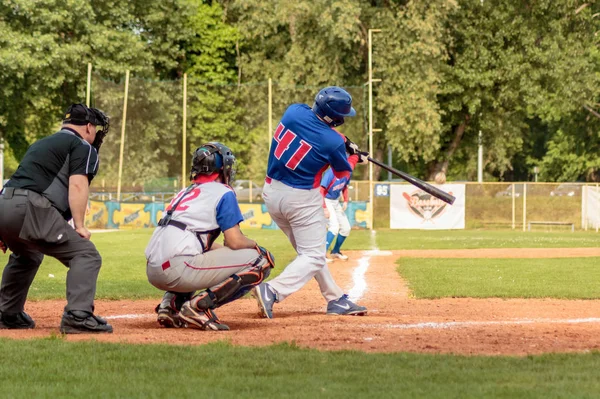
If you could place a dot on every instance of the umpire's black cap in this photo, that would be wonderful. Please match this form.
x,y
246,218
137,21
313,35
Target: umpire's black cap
x,y
79,114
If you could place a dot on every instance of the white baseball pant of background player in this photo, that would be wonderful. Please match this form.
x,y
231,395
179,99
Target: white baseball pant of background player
x,y
299,214
338,221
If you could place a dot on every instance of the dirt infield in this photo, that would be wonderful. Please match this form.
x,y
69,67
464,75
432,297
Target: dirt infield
x,y
395,321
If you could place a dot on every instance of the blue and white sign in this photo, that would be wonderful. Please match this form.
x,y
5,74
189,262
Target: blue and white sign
x,y
382,190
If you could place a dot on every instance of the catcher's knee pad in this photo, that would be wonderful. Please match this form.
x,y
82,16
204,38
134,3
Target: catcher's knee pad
x,y
236,286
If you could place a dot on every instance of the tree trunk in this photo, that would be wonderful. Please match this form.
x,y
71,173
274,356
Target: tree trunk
x,y
458,134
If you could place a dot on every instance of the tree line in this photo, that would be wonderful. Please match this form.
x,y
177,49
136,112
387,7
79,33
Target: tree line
x,y
524,73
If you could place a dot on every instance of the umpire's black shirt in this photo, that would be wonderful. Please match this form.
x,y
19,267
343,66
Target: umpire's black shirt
x,y
48,164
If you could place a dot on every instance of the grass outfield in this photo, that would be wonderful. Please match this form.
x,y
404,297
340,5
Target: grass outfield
x,y
568,278
123,273
51,368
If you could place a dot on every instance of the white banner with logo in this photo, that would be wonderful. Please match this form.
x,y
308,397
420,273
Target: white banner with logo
x,y
590,207
413,208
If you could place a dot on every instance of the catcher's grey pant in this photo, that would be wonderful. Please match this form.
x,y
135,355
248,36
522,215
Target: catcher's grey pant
x,y
338,221
32,228
299,214
207,270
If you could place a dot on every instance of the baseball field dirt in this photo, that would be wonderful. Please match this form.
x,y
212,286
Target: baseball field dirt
x,y
395,323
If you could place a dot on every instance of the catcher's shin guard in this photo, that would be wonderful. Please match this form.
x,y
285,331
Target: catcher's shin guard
x,y
236,286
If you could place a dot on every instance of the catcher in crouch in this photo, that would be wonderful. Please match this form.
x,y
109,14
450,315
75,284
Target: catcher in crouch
x,y
182,256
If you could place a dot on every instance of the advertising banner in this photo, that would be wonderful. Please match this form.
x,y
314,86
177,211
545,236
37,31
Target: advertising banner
x,y
590,207
116,215
413,208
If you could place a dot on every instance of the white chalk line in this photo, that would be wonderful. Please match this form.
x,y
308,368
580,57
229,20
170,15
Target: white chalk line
x,y
358,274
129,316
430,325
466,324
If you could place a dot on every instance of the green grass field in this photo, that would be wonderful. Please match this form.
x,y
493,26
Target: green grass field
x,y
571,278
123,272
53,367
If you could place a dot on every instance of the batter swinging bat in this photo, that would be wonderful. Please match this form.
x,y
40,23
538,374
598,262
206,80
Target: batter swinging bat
x,y
428,188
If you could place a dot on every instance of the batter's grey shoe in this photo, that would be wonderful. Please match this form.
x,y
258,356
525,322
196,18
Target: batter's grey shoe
x,y
266,298
345,307
168,317
81,322
202,319
16,321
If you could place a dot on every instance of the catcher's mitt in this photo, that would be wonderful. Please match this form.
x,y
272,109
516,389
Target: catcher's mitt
x,y
266,254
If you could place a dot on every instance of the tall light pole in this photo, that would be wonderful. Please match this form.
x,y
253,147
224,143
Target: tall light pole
x,y
371,80
1,162
480,158
184,150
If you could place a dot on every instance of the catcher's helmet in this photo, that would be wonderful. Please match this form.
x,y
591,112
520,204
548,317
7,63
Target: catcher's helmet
x,y
332,104
211,158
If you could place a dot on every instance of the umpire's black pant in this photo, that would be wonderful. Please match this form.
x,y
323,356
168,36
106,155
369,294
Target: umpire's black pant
x,y
63,243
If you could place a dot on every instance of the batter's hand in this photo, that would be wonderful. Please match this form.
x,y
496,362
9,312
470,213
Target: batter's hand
x,y
3,246
345,206
326,211
363,157
83,232
351,147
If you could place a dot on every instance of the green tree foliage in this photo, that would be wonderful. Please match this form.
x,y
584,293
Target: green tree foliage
x,y
453,69
45,46
302,46
524,73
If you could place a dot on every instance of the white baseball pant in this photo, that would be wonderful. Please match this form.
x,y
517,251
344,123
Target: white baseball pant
x,y
299,214
338,221
194,273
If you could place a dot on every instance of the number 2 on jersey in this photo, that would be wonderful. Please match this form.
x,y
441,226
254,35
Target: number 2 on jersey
x,y
181,207
284,138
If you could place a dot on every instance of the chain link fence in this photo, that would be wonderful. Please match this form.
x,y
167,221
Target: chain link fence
x,y
242,117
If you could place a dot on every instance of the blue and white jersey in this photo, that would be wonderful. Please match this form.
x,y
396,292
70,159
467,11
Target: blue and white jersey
x,y
333,185
302,148
206,210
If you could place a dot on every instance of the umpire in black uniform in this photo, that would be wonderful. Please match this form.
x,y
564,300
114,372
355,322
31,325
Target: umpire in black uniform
x,y
51,186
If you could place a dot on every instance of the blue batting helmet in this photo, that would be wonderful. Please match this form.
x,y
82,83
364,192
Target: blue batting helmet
x,y
332,104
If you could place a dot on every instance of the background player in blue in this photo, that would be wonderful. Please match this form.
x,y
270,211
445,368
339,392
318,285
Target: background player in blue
x,y
331,189
304,145
183,257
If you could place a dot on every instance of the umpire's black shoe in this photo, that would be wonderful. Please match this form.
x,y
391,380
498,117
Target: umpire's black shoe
x,y
80,322
16,321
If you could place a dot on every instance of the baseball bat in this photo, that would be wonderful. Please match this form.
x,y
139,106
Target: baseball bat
x,y
428,188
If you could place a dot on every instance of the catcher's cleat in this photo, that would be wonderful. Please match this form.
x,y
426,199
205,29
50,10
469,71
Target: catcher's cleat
x,y
328,259
17,321
345,307
168,317
202,319
339,255
265,297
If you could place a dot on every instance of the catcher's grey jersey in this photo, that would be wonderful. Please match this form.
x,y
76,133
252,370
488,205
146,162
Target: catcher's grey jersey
x,y
206,210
